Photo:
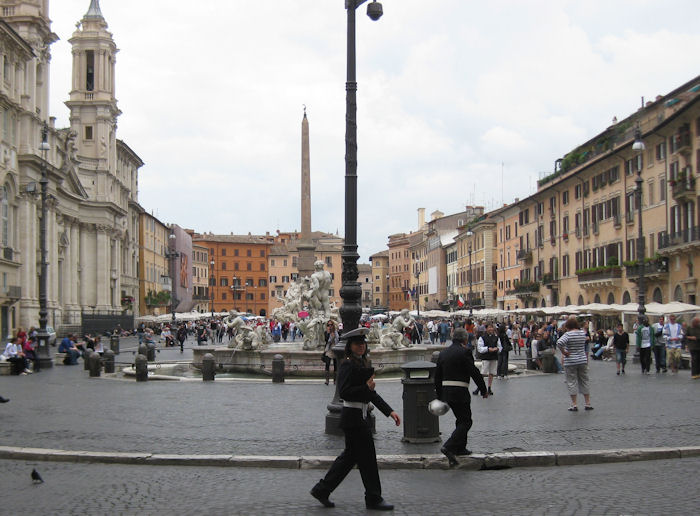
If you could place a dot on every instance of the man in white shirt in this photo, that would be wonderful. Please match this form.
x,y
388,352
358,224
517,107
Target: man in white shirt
x,y
489,346
673,333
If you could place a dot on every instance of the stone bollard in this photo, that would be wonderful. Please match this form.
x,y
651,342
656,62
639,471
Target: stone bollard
x,y
141,365
86,356
151,355
143,350
94,364
434,357
108,359
547,358
114,344
278,369
208,367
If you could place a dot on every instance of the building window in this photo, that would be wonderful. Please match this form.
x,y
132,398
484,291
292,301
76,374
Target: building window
x,y
235,266
262,266
329,261
223,252
223,266
249,252
223,296
235,252
88,132
273,279
285,279
272,262
662,190
262,282
262,253
223,282
249,266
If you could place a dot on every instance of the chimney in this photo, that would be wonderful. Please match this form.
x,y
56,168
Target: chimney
x,y
421,217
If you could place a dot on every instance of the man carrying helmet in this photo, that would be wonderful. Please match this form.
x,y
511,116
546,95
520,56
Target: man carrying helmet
x,y
455,367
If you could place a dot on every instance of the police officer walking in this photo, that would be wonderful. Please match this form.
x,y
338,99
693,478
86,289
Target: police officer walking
x,y
356,388
455,366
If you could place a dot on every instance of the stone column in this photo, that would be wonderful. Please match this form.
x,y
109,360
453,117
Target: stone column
x,y
102,264
74,264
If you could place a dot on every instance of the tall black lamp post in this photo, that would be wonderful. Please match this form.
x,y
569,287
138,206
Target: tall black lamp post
x,y
42,335
212,283
469,248
351,291
417,292
638,146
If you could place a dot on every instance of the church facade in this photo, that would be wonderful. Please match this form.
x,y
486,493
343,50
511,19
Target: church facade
x,y
93,212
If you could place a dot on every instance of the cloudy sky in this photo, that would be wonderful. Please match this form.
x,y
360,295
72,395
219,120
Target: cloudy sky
x,y
459,102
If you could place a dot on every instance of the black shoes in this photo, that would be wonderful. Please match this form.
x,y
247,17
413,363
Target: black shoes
x,y
4,400
463,452
490,392
475,391
321,496
381,505
451,457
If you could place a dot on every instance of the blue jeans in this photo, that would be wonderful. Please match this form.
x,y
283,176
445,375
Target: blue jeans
x,y
660,357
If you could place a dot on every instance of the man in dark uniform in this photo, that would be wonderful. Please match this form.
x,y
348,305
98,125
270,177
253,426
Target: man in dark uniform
x,y
455,366
356,389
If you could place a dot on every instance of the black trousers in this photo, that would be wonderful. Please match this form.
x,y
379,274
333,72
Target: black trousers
x,y
695,362
502,369
645,359
359,449
462,410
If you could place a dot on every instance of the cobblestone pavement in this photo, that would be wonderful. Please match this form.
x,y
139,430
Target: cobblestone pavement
x,y
64,408
638,488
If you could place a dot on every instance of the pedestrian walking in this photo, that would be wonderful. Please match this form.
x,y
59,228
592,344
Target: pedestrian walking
x,y
328,355
659,346
575,358
621,342
455,367
645,341
673,333
356,388
502,367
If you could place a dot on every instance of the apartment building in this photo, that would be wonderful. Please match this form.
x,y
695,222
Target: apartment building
x,y
380,280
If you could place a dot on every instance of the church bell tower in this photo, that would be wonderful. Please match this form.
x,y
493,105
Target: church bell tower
x,y
93,105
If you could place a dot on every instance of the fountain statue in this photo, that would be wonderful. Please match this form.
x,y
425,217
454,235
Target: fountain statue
x,y
393,335
245,336
307,304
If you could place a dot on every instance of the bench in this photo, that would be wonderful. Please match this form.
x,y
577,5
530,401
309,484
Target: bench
x,y
5,368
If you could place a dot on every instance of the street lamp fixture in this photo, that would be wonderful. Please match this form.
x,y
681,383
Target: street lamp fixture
x,y
638,146
42,334
417,292
469,248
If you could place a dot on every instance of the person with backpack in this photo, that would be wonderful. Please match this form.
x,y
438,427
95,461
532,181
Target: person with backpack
x,y
645,341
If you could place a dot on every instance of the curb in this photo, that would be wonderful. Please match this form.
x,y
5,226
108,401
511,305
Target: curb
x,y
476,461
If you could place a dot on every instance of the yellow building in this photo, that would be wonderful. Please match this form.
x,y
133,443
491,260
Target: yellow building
x,y
580,230
380,280
154,278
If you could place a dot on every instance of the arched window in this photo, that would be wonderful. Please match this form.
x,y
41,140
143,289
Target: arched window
x,y
527,304
626,298
580,300
611,298
544,303
568,300
596,299
657,296
678,294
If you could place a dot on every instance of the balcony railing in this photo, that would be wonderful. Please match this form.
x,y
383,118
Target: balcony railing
x,y
12,291
649,269
683,187
525,254
599,273
525,288
685,236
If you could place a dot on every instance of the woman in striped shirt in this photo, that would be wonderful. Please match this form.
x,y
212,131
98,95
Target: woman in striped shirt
x,y
573,349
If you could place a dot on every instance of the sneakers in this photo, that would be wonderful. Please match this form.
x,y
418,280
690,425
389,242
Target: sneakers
x,y
490,392
28,371
4,400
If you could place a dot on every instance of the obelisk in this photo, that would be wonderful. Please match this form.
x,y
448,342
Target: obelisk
x,y
305,245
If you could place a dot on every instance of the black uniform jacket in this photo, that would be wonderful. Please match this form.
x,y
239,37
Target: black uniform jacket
x,y
457,364
352,386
